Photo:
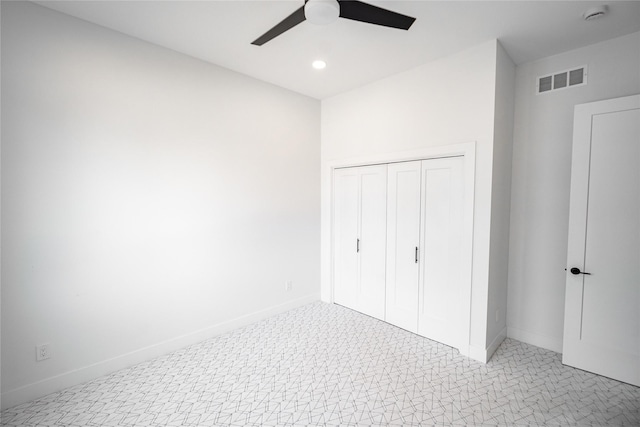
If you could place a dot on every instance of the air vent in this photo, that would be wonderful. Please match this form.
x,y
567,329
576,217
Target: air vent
x,y
562,80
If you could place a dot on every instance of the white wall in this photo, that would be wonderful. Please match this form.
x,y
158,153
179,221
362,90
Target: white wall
x,y
541,178
149,200
0,226
500,199
449,101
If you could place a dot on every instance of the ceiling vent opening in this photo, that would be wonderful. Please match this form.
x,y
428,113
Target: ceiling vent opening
x,y
562,80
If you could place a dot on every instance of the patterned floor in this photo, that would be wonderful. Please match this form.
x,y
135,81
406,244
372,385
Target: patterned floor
x,y
326,365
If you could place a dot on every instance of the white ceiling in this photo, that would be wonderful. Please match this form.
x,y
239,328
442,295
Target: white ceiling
x,y
221,32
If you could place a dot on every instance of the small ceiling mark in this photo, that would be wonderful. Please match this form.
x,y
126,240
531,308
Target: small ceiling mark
x,y
595,13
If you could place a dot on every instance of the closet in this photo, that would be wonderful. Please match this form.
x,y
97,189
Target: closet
x,y
398,244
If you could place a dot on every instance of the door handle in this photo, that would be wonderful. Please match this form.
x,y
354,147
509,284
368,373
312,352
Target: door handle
x,y
576,271
357,245
416,254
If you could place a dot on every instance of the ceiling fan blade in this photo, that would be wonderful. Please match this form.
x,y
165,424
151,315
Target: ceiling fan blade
x,y
286,24
364,12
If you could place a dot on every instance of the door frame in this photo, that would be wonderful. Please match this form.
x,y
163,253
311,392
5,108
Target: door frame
x,y
466,150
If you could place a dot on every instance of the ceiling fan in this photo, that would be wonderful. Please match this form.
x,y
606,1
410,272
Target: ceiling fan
x,y
324,12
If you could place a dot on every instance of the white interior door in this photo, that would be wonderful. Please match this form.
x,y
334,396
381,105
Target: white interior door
x,y
441,246
372,240
602,303
403,239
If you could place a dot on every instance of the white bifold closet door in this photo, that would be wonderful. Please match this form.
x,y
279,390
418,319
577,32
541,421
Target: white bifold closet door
x,y
403,240
424,247
441,230
398,244
360,205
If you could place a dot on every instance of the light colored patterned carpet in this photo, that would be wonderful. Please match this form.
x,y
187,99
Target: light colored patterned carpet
x,y
325,365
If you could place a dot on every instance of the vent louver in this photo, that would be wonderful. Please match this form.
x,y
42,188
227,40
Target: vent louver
x,y
562,80
577,77
545,84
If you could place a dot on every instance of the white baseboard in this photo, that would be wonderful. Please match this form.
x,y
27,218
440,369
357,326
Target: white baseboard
x,y
484,354
496,343
544,341
87,373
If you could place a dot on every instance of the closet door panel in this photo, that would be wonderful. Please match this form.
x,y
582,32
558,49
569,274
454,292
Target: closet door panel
x,y
441,244
346,198
403,234
373,237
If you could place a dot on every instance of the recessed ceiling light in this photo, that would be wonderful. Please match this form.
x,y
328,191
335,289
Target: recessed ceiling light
x,y
319,64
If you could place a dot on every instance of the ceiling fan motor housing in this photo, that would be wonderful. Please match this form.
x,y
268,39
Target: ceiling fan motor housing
x,y
321,12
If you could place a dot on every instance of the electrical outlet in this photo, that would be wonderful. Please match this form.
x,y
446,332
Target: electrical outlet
x,y
288,286
42,352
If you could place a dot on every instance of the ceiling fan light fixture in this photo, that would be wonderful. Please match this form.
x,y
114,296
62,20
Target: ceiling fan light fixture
x,y
325,12
322,12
